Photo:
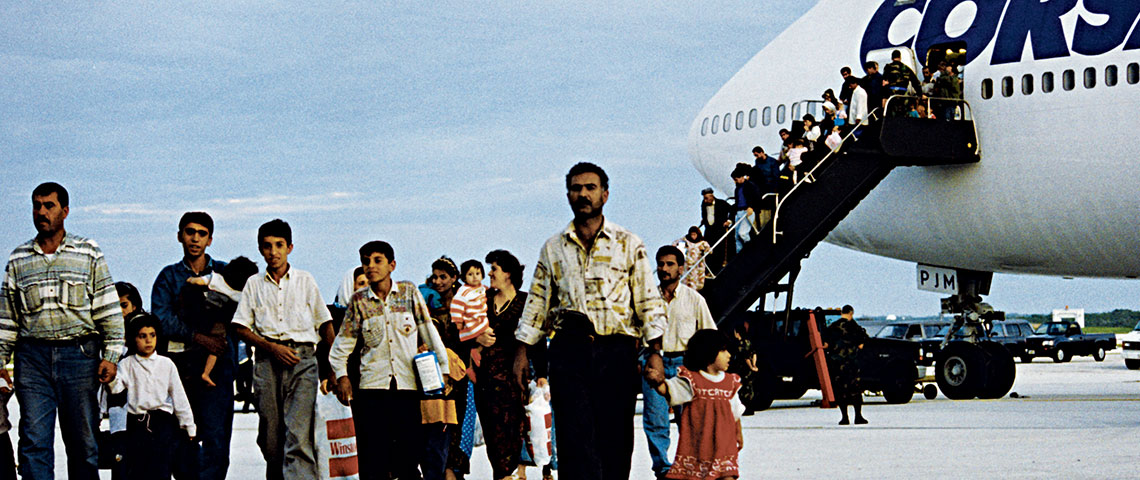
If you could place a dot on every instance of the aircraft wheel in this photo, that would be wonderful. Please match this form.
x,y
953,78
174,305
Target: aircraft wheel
x,y
960,370
1098,354
1000,371
1061,356
1132,364
930,391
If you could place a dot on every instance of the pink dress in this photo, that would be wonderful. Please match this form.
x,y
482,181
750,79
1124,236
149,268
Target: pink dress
x,y
707,446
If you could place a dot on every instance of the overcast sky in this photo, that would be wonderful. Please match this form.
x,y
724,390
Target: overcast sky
x,y
441,127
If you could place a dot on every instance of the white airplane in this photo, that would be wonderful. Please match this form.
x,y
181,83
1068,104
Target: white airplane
x,y
1053,88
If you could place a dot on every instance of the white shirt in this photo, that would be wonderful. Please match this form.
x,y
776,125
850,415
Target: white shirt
x,y
291,310
152,383
858,105
687,312
392,330
218,284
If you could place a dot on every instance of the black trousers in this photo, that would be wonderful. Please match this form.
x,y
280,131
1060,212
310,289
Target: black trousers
x,y
594,384
151,441
388,433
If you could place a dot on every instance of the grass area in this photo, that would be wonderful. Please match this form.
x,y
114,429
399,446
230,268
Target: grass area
x,y
1107,330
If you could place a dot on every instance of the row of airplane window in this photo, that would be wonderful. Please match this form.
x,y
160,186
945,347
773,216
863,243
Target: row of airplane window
x,y
725,123
1068,80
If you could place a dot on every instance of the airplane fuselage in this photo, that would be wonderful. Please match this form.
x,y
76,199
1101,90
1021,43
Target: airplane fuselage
x,y
1057,190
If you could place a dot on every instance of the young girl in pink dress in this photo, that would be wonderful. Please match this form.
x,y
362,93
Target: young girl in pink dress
x,y
710,422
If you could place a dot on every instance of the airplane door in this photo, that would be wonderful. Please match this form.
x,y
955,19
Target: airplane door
x,y
883,57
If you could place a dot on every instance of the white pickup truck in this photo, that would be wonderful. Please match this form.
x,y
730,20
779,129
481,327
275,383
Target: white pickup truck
x,y
1131,348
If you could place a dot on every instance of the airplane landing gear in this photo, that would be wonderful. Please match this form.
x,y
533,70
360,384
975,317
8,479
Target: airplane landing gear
x,y
973,366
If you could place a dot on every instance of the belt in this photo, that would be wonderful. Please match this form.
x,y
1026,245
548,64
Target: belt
x,y
673,354
60,343
148,417
290,343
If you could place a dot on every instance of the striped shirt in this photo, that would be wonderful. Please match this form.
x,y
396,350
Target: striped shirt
x,y
612,284
62,296
469,310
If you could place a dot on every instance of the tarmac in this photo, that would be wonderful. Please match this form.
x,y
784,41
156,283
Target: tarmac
x,y
1070,420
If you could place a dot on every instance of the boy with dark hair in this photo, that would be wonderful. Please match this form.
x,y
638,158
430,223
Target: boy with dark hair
x,y
283,315
184,344
213,300
391,321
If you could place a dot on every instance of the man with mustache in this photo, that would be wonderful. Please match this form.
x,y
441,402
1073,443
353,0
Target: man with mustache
x,y
59,314
593,286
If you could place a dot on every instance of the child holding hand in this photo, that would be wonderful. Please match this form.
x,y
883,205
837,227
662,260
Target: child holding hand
x,y
156,404
710,424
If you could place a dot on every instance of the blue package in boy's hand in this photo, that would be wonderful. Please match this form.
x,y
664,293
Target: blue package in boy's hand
x,y
427,370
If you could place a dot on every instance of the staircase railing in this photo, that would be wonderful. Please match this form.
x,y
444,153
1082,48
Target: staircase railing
x,y
809,177
967,111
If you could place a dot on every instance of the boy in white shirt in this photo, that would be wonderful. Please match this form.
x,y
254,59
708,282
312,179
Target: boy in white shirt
x,y
283,316
156,404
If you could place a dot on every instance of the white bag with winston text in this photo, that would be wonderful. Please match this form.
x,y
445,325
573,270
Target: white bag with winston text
x,y
335,440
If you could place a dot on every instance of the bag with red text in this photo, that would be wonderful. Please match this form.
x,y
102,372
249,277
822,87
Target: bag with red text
x,y
539,441
335,440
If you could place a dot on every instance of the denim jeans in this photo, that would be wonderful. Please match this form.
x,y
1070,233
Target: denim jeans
x,y
213,409
63,378
743,230
655,417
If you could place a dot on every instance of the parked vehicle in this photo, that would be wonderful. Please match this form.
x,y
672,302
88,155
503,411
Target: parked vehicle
x,y
787,369
1130,348
1013,334
1062,340
923,332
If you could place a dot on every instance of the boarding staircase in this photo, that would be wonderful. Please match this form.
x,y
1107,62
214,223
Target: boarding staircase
x,y
827,192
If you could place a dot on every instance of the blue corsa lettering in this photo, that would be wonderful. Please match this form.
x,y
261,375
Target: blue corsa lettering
x,y
1043,20
933,30
1093,40
1034,21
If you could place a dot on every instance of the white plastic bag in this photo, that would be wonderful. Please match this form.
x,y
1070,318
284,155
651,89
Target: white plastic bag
x,y
335,440
538,438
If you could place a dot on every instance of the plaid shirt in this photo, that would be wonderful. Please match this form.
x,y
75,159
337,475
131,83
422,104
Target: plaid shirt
x,y
62,296
612,284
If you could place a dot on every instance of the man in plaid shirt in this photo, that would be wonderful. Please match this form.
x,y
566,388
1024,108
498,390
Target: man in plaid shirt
x,y
59,314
